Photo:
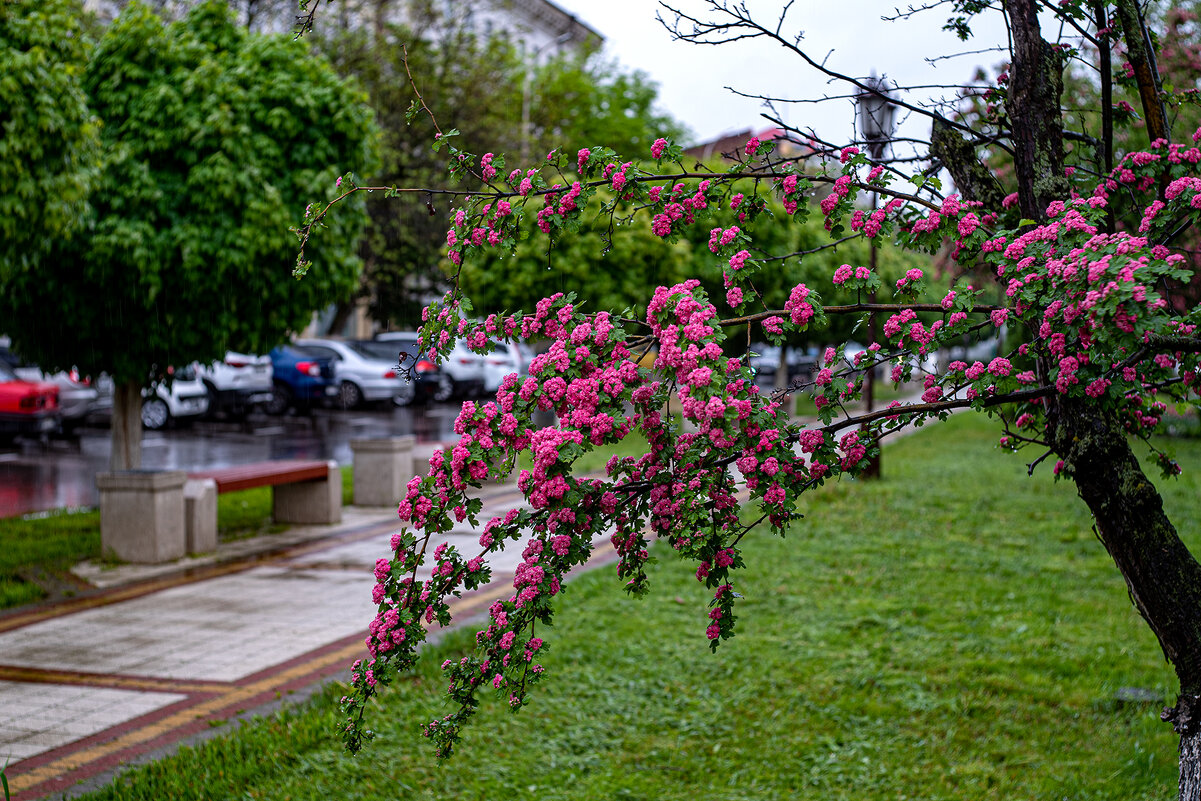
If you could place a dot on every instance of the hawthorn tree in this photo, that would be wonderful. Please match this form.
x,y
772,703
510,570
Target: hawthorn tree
x,y
1081,251
213,139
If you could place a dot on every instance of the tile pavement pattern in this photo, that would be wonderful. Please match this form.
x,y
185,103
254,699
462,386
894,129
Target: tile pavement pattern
x,y
89,685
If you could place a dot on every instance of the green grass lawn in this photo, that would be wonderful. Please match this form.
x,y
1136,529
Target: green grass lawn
x,y
33,549
954,631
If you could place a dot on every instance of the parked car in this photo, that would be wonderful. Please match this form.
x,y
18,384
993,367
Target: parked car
x,y
78,397
27,408
506,357
464,366
299,380
361,376
181,399
800,364
238,384
428,380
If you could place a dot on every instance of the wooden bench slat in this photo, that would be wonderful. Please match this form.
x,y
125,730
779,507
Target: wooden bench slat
x,y
263,474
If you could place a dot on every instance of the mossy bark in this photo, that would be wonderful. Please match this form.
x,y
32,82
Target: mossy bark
x,y
1162,576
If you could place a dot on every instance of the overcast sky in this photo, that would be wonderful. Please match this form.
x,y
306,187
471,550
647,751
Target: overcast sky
x,y
692,78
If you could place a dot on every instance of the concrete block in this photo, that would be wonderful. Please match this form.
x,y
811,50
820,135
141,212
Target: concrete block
x,y
142,515
382,468
200,515
313,502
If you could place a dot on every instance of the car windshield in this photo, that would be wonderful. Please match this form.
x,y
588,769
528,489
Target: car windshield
x,y
6,375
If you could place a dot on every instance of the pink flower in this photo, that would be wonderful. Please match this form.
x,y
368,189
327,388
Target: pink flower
x,y
752,145
658,147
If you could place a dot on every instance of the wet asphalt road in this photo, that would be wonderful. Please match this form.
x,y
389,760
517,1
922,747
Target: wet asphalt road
x,y
37,476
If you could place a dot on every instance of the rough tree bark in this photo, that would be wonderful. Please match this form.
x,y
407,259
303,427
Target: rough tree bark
x,y
1163,578
126,429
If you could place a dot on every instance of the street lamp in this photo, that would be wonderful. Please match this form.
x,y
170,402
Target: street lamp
x,y
876,113
525,91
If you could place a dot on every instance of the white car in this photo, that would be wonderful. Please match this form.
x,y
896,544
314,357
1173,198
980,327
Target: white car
x,y
464,366
185,399
506,357
237,384
362,376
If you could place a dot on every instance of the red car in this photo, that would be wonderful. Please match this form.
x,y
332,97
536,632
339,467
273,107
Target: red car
x,y
27,408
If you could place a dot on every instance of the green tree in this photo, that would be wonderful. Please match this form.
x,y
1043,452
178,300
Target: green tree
x,y
49,143
483,84
613,268
213,138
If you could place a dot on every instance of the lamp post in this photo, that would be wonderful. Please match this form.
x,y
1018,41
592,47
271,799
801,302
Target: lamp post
x,y
525,91
876,113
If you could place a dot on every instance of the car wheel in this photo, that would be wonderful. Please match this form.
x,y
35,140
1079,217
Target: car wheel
x,y
406,395
349,395
281,399
213,409
155,414
445,389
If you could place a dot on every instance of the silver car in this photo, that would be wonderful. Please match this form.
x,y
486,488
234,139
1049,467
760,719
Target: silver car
x,y
507,357
464,366
362,377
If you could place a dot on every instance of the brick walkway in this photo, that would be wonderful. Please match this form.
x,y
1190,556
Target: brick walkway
x,y
161,654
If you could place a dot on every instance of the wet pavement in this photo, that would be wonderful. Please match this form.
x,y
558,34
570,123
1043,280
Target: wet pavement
x,y
61,473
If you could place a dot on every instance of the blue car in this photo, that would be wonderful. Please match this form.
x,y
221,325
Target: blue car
x,y
301,380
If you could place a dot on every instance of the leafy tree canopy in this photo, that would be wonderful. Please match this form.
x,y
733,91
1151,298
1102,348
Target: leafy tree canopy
x,y
213,140
499,102
49,142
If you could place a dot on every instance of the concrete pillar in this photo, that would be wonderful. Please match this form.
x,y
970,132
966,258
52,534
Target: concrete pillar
x,y
200,515
313,502
382,468
142,515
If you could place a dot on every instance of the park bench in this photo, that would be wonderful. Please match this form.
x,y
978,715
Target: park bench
x,y
302,491
159,516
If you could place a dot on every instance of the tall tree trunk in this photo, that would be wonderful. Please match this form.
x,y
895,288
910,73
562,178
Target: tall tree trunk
x,y
1142,60
1163,578
1035,86
126,429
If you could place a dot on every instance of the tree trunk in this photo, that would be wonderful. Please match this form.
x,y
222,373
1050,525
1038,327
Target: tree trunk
x,y
1142,60
1162,577
1190,766
126,429
1036,83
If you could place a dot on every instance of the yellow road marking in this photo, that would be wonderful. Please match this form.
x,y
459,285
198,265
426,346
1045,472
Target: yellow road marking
x,y
150,684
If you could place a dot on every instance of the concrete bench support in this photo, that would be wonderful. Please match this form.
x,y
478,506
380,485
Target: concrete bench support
x,y
382,468
142,515
316,501
200,515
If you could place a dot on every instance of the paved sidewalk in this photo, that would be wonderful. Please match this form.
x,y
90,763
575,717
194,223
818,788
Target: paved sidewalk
x,y
159,654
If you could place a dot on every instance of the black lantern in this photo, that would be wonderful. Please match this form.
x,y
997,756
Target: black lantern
x,y
876,115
